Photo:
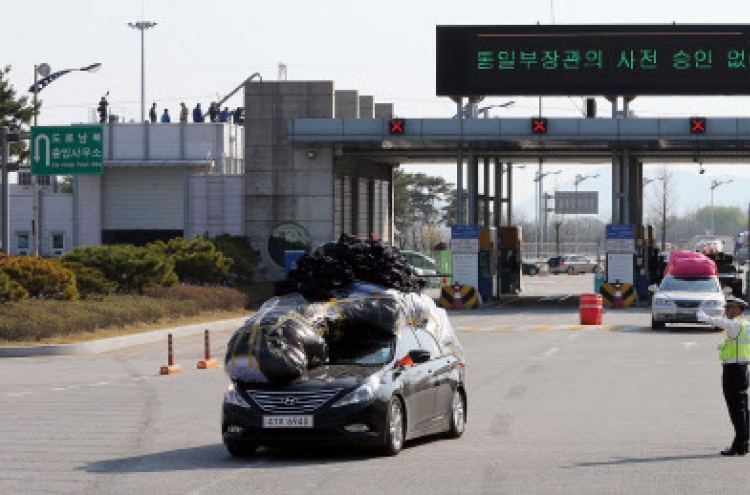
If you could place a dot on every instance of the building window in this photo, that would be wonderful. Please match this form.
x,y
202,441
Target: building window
x,y
22,241
58,242
24,179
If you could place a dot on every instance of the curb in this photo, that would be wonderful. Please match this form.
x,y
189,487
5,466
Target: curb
x,y
114,343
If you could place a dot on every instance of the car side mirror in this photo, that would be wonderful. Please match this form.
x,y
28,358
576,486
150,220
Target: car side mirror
x,y
727,290
653,288
419,356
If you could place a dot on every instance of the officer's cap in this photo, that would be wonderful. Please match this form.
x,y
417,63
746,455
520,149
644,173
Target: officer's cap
x,y
736,301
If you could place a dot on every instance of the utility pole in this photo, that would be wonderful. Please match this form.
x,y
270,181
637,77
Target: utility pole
x,y
6,192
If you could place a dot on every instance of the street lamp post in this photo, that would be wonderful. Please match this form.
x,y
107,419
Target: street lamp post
x,y
142,26
579,178
714,184
541,211
39,84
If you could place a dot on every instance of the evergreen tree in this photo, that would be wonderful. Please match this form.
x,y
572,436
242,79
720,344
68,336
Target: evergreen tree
x,y
15,113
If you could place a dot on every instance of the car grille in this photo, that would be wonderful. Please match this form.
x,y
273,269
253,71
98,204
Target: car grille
x,y
292,402
688,304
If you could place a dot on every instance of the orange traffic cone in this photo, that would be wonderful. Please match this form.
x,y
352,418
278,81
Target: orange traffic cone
x,y
458,301
617,299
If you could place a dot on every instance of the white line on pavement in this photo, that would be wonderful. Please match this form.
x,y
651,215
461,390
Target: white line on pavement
x,y
19,394
551,351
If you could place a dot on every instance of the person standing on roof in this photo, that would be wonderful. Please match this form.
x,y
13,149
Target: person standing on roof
x,y
152,113
183,112
165,116
224,115
197,113
213,112
735,355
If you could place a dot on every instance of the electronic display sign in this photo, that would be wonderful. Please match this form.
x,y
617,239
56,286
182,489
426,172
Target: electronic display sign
x,y
609,60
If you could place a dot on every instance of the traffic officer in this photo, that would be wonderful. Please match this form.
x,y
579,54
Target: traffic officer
x,y
735,355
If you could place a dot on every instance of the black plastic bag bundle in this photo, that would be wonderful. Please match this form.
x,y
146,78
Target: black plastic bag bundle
x,y
320,276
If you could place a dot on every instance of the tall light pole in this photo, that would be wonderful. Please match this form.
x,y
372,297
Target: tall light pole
x,y
39,84
142,26
579,178
541,211
714,184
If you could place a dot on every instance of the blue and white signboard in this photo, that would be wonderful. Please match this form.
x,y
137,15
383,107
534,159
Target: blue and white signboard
x,y
465,232
621,238
465,239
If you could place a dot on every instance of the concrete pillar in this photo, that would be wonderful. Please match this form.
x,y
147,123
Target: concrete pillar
x,y
347,104
366,107
283,184
383,110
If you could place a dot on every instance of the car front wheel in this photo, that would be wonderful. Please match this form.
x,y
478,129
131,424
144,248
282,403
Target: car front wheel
x,y
657,325
394,441
458,416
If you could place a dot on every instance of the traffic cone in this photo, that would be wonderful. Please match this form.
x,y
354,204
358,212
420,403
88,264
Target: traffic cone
x,y
617,299
458,301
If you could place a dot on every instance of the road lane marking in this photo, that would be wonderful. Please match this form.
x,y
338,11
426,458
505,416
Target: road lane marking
x,y
472,329
538,328
689,345
542,328
501,329
551,351
19,394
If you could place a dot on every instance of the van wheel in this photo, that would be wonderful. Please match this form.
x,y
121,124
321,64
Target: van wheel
x,y
657,325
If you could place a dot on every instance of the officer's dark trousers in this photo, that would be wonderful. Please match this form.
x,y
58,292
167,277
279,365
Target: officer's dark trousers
x,y
735,382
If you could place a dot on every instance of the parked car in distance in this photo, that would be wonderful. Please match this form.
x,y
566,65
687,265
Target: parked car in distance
x,y
376,389
424,266
571,263
530,268
677,299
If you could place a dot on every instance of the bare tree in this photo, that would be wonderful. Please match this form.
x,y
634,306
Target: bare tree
x,y
661,204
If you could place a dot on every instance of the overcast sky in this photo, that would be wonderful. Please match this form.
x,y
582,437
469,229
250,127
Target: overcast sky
x,y
200,51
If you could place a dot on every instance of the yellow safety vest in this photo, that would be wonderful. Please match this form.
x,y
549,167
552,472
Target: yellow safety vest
x,y
736,351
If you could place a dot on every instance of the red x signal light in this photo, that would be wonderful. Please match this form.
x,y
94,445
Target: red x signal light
x,y
538,125
396,127
697,125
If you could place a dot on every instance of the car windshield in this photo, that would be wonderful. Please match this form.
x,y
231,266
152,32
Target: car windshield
x,y
360,346
679,284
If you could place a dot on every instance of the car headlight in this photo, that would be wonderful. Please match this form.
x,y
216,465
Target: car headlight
x,y
233,396
365,393
663,301
712,304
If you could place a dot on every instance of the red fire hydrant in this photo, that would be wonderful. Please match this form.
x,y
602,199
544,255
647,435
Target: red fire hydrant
x,y
458,301
617,299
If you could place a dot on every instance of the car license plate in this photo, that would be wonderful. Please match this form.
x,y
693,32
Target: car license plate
x,y
303,421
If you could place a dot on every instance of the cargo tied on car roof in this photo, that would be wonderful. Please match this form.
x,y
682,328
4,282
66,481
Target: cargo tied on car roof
x,y
345,359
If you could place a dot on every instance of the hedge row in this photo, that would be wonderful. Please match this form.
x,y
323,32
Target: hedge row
x,y
34,320
101,270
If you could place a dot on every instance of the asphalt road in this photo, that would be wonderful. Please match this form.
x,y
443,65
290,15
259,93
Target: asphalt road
x,y
553,408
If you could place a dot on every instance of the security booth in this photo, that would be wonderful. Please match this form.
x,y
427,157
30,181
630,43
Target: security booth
x,y
487,263
509,256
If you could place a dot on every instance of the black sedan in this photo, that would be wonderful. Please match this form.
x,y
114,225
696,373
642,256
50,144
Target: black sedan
x,y
378,390
529,268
